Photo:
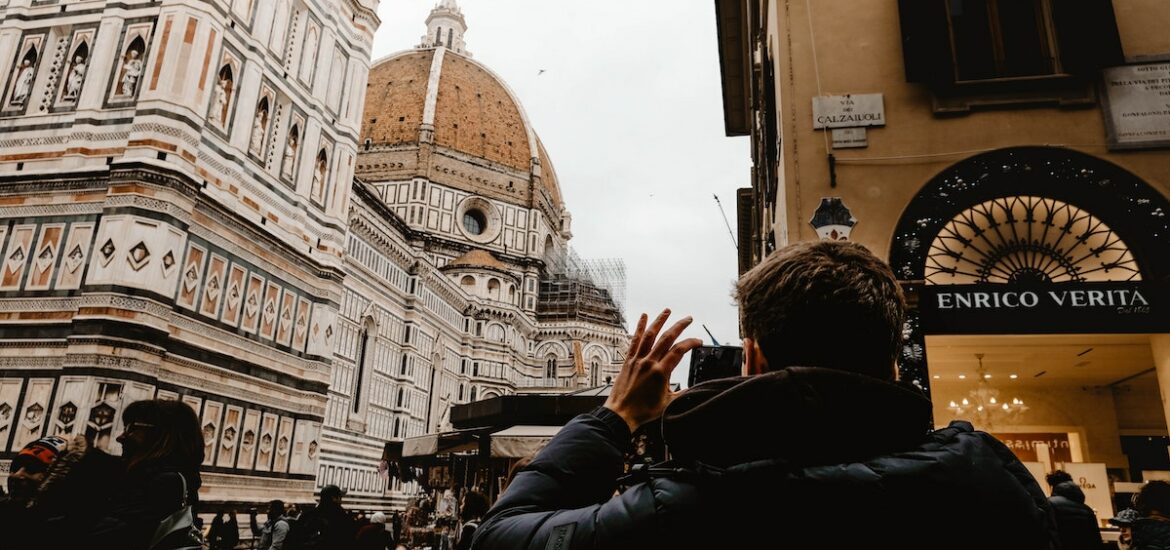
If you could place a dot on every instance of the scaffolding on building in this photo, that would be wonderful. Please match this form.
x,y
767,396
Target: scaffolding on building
x,y
586,289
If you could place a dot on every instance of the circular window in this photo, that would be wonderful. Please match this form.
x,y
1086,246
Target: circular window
x,y
478,220
474,222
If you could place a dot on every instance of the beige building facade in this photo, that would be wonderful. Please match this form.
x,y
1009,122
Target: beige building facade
x,y
1012,162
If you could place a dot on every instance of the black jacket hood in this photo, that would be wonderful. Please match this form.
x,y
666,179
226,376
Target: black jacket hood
x,y
803,416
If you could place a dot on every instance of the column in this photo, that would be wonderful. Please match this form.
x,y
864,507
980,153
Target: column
x,y
1160,346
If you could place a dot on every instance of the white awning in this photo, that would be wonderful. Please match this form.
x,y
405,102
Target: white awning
x,y
522,441
446,442
422,445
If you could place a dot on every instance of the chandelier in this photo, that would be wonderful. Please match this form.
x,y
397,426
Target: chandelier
x,y
983,405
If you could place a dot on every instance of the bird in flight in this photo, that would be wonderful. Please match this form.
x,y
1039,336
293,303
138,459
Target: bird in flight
x,y
540,73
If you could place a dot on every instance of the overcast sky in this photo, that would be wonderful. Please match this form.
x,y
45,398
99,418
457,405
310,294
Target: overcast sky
x,y
629,108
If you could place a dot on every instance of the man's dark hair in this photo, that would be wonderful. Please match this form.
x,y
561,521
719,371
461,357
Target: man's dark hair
x,y
824,304
176,438
1056,477
475,505
1154,496
275,509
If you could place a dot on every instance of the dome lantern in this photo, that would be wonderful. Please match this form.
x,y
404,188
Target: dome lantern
x,y
445,28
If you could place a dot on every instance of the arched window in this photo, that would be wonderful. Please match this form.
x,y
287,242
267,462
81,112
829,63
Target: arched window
x,y
401,396
550,367
461,388
494,288
468,281
595,371
403,369
450,38
439,36
473,391
363,351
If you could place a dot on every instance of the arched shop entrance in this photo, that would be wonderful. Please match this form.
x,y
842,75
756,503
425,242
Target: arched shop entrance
x,y
1039,284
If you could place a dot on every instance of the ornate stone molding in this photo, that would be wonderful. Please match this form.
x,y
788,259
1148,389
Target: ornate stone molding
x,y
39,304
147,203
44,210
31,363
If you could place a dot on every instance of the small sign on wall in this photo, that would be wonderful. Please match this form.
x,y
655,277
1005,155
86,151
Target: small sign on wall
x,y
849,138
848,111
1137,105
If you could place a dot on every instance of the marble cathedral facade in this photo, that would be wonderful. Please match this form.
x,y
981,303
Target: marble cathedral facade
x,y
180,218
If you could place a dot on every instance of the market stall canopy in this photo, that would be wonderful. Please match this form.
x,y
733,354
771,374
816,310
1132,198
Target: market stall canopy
x,y
446,442
522,441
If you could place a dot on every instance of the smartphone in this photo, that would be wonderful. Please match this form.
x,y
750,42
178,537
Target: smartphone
x,y
714,362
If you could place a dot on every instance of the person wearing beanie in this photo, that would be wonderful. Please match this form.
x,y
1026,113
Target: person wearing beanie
x,y
1076,523
28,471
31,465
1124,522
376,535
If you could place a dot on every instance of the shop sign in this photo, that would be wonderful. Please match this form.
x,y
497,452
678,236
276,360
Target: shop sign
x,y
1023,445
1093,479
1114,307
848,111
1137,105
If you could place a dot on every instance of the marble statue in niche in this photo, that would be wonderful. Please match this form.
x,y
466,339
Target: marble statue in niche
x,y
76,75
319,170
131,71
221,104
22,78
290,152
208,439
259,127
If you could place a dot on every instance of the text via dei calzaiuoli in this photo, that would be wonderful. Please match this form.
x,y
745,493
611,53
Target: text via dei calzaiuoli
x,y
1132,300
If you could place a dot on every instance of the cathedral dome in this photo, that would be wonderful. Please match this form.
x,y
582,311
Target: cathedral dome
x,y
440,98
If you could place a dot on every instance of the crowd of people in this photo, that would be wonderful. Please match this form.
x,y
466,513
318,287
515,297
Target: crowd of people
x,y
66,494
817,445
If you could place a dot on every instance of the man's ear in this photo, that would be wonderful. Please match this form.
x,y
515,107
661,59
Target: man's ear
x,y
754,361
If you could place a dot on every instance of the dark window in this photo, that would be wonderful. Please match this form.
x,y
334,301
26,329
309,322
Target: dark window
x,y
474,222
439,36
450,39
403,370
949,42
1001,38
401,395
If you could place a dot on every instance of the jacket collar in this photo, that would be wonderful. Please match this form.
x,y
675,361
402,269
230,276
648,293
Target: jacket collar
x,y
800,415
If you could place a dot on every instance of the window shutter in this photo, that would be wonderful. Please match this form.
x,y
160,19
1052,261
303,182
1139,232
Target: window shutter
x,y
926,41
1087,34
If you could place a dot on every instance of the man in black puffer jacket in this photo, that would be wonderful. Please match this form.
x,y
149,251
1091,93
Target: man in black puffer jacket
x,y
1076,522
817,446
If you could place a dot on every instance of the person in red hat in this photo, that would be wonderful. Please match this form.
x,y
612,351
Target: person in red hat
x,y
31,465
28,471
